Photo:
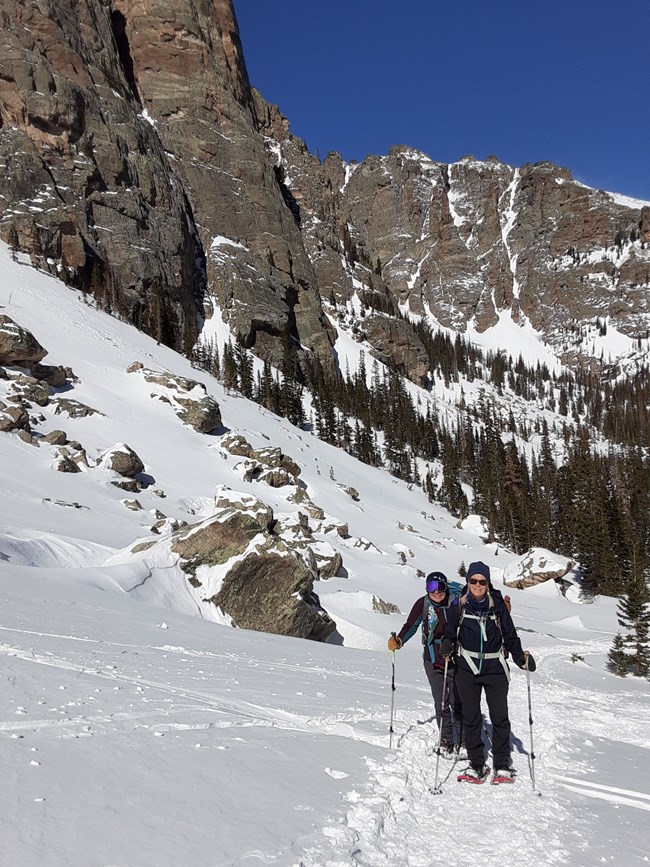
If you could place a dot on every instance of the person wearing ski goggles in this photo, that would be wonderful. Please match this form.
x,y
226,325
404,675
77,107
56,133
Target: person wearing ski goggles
x,y
430,613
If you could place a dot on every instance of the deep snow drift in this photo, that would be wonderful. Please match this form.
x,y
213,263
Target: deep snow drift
x,y
135,731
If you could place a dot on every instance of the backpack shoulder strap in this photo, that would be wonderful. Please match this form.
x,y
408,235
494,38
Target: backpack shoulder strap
x,y
425,619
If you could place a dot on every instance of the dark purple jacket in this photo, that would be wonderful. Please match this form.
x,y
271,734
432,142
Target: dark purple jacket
x,y
435,618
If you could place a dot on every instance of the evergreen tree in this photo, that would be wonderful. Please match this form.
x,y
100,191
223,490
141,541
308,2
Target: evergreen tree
x,y
244,364
618,661
429,487
634,616
13,241
230,373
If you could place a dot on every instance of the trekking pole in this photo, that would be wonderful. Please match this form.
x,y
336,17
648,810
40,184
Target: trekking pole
x,y
436,788
530,722
392,699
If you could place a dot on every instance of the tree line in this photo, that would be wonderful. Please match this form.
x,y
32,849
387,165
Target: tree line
x,y
581,488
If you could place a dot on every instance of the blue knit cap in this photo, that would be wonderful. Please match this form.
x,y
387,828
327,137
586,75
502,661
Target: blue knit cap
x,y
479,568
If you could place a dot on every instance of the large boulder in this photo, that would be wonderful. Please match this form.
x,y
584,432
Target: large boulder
x,y
17,344
236,444
56,438
122,460
272,592
237,560
273,457
13,418
226,500
31,390
535,567
54,375
203,414
216,540
187,397
166,379
276,478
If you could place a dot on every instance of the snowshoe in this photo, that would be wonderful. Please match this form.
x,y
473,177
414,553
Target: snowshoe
x,y
474,774
503,775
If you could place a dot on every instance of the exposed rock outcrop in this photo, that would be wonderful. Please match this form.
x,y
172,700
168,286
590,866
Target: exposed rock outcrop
x,y
121,459
272,592
130,129
188,398
87,188
535,567
203,414
18,346
468,240
73,408
269,584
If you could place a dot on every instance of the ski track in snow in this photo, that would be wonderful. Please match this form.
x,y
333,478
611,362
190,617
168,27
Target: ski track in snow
x,y
246,713
607,793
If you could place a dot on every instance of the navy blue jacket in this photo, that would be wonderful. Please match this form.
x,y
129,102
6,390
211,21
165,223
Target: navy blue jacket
x,y
438,617
498,631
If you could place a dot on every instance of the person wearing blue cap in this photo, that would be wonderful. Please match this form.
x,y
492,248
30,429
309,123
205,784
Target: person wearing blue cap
x,y
431,612
479,631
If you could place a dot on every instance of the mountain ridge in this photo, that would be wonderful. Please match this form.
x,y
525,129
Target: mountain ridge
x,y
106,139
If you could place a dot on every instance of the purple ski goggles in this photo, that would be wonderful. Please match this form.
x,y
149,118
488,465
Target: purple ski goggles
x,y
436,585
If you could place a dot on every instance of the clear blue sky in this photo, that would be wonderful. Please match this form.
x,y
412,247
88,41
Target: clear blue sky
x,y
560,80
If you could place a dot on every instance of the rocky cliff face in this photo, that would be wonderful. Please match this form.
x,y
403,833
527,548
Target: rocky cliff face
x,y
190,76
86,185
139,163
467,241
133,165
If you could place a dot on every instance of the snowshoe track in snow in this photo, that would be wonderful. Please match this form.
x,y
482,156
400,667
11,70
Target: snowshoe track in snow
x,y
390,821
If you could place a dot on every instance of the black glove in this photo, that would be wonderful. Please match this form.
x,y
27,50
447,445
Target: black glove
x,y
521,661
446,647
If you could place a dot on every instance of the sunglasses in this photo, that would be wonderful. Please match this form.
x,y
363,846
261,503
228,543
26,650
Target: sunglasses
x,y
436,587
481,581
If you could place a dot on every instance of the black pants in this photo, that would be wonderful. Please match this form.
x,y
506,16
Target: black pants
x,y
435,677
469,688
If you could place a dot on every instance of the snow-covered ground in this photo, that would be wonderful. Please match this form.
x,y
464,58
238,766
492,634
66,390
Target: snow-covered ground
x,y
134,734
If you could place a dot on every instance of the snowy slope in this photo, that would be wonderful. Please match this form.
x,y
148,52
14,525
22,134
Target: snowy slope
x,y
132,733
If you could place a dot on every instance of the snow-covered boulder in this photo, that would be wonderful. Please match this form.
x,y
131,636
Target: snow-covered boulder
x,y
203,414
216,540
236,444
17,344
187,397
535,567
261,512
121,459
13,418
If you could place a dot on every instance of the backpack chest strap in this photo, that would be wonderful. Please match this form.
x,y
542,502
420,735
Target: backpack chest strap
x,y
470,655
